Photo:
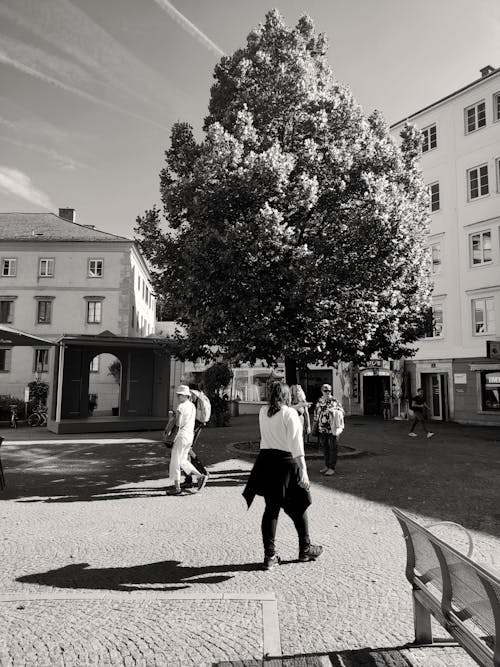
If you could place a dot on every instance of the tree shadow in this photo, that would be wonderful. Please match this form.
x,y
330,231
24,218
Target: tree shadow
x,y
167,575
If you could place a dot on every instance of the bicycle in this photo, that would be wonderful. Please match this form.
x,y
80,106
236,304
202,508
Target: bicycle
x,y
38,417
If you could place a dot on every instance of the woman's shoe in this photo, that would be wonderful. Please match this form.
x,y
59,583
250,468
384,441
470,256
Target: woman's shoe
x,y
312,552
323,470
271,561
329,472
173,491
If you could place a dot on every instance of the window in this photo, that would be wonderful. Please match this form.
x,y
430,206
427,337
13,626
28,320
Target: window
x,y
46,268
44,312
477,182
483,314
433,327
5,355
490,382
475,117
480,248
9,267
96,267
435,257
496,106
497,165
6,311
94,365
41,361
429,138
434,196
94,312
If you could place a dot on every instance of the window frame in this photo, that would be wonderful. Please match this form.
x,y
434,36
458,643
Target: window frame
x,y
477,168
95,275
474,107
7,359
439,264
10,301
486,331
14,261
436,306
47,302
97,306
48,260
496,107
431,195
92,364
481,235
426,138
44,368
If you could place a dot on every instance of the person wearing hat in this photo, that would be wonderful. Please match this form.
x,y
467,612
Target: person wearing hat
x,y
185,420
326,407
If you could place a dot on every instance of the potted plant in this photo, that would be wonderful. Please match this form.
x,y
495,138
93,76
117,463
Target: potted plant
x,y
115,370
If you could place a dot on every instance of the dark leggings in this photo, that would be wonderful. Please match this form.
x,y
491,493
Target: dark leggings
x,y
270,523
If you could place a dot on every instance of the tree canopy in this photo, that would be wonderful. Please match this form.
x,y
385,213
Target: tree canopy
x,y
296,226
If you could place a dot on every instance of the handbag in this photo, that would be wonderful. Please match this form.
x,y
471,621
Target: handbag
x,y
315,429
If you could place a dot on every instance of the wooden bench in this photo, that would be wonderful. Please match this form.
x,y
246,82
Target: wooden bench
x,y
463,596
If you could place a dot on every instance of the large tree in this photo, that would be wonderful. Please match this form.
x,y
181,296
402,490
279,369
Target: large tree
x,y
296,227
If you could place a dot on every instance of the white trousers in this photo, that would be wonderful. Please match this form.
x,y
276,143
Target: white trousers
x,y
179,459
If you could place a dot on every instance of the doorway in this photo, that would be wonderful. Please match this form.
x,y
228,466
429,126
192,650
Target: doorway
x,y
373,393
434,386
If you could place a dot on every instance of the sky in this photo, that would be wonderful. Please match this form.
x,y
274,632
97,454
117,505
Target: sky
x,y
89,89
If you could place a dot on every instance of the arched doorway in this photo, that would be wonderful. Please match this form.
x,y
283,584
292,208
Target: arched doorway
x,y
105,375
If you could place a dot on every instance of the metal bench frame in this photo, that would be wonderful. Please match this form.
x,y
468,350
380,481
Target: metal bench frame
x,y
426,603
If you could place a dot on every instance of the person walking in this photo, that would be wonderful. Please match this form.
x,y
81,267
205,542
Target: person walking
x,y
280,475
202,416
386,404
329,416
179,458
418,405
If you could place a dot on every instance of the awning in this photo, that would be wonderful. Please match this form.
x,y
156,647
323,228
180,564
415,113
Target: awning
x,y
15,338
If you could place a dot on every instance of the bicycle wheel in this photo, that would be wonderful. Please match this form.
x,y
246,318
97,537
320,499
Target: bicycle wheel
x,y
34,419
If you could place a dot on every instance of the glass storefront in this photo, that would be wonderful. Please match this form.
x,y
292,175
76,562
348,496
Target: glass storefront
x,y
491,390
251,385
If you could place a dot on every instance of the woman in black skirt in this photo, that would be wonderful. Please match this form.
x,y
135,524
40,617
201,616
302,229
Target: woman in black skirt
x,y
280,475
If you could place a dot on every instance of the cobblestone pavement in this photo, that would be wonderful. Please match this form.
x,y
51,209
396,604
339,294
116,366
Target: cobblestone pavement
x,y
99,567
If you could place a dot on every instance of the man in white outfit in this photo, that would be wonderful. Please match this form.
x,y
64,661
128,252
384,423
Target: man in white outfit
x,y
184,420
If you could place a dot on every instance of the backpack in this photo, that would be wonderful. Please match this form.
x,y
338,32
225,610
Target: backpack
x,y
203,407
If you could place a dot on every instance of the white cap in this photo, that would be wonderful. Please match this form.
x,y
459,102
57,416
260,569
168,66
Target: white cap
x,y
183,390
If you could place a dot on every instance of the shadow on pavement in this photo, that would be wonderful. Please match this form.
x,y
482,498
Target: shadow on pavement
x,y
167,575
452,476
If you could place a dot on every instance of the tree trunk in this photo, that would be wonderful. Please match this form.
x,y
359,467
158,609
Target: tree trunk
x,y
290,371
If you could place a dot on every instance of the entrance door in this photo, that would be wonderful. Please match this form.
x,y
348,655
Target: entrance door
x,y
140,383
373,393
435,395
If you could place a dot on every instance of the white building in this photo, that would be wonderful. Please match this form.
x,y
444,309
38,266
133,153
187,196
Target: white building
x,y
58,277
461,166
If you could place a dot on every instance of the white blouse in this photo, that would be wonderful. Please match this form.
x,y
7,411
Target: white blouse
x,y
283,431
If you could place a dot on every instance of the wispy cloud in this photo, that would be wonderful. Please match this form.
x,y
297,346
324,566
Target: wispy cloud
x,y
42,76
19,184
63,161
67,29
189,27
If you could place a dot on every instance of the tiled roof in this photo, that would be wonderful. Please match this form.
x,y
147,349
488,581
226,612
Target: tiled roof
x,y
48,227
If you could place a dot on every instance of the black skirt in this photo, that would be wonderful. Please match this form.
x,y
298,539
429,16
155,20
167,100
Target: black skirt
x,y
275,475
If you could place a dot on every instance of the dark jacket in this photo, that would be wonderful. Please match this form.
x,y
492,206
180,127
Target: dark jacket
x,y
275,475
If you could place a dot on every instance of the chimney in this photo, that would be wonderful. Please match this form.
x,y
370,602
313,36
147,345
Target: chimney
x,y
486,71
68,214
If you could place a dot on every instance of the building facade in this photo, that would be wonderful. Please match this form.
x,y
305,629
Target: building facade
x,y
456,363
58,277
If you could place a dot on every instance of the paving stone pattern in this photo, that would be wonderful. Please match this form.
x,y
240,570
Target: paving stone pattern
x,y
91,519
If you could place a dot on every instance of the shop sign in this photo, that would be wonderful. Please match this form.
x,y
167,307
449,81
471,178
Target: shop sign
x,y
460,378
376,371
493,378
